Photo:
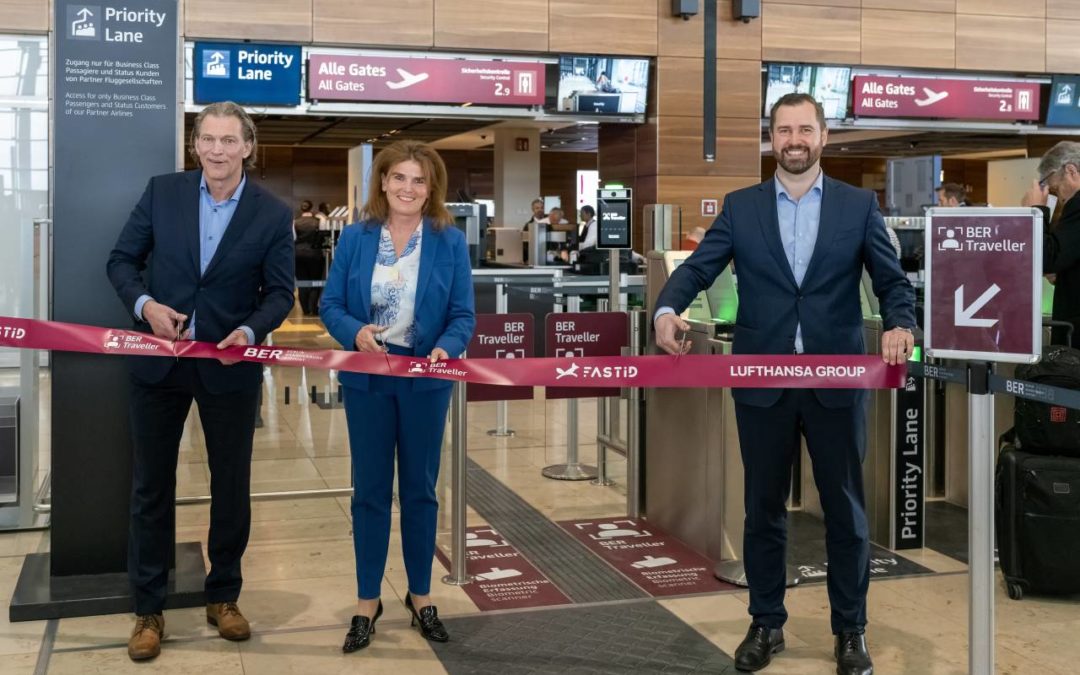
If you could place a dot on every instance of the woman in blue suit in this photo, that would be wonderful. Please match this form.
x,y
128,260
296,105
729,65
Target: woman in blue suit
x,y
401,283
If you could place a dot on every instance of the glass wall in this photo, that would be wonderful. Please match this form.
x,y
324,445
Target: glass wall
x,y
24,164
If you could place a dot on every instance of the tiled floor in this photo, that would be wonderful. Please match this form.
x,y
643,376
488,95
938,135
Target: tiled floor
x,y
300,575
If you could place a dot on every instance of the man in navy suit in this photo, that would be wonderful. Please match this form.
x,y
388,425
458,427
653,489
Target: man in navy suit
x,y
800,242
220,270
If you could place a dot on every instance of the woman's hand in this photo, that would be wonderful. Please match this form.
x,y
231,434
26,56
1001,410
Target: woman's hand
x,y
438,354
365,338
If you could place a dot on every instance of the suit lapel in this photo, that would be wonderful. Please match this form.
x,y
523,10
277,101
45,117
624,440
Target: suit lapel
x,y
242,217
832,203
428,248
369,248
770,227
189,215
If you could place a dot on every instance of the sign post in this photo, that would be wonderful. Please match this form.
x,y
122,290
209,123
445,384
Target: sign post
x,y
983,275
501,336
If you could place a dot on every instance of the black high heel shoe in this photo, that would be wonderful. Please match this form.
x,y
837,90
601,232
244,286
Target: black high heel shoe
x,y
428,618
360,631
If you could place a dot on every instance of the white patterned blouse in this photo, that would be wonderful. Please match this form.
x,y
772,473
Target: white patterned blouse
x,y
393,288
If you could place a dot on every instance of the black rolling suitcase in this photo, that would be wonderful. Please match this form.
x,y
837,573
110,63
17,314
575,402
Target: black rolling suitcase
x,y
1043,428
1037,520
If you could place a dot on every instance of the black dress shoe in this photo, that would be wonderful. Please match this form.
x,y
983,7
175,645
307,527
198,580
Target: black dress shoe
x,y
757,648
360,631
852,657
428,618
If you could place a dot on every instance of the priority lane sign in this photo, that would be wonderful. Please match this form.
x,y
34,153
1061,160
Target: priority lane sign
x,y
984,284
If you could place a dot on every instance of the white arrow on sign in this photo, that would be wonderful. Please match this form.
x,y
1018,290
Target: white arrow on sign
x,y
963,315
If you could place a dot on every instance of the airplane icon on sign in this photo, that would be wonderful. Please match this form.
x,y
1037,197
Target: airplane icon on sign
x,y
560,373
407,79
932,97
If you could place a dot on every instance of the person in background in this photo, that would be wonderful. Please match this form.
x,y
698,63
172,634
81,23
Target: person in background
x,y
221,272
587,238
310,265
537,213
323,214
400,282
1059,175
604,85
951,194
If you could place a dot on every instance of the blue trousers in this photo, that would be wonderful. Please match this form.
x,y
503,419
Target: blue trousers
x,y
836,441
389,416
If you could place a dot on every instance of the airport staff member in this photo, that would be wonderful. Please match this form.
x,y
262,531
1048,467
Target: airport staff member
x,y
589,231
222,271
951,194
800,241
400,282
1059,175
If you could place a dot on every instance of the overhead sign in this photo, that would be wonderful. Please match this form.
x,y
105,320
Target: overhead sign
x,y
614,216
984,281
577,334
943,98
501,336
255,74
351,77
1064,108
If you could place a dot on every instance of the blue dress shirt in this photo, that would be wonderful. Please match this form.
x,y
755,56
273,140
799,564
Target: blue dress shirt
x,y
214,218
799,221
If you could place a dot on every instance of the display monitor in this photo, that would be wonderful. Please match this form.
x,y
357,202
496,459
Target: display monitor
x,y
601,85
830,85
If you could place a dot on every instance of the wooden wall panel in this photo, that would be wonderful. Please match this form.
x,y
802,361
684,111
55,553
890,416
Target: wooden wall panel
x,y
286,20
387,23
1022,8
492,24
1061,50
603,26
1000,43
24,15
688,191
558,176
813,3
810,34
679,87
948,6
738,147
735,39
616,151
1062,9
913,39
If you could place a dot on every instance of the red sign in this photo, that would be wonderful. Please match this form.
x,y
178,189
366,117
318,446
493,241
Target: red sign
x,y
504,579
655,561
574,335
708,207
877,96
983,274
501,336
350,77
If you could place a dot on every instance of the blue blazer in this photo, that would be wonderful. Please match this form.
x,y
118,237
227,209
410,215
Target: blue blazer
x,y
249,281
828,305
445,306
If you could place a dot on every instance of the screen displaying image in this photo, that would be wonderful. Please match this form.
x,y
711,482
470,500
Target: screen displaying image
x,y
829,85
602,85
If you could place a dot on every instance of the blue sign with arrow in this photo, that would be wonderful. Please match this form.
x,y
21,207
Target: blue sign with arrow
x,y
253,74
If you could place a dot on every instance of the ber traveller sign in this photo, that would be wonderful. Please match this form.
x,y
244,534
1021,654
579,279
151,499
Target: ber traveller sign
x,y
578,334
501,336
879,96
350,77
984,281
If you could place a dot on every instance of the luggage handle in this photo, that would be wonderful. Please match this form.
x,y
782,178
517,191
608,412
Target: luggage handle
x,y
1067,325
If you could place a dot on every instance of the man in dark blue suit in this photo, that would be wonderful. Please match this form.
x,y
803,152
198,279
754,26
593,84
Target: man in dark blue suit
x,y
207,256
800,242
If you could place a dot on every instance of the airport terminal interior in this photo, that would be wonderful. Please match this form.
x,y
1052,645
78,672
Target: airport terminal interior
x,y
577,532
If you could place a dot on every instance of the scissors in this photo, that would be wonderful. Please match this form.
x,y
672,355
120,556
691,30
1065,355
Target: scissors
x,y
682,345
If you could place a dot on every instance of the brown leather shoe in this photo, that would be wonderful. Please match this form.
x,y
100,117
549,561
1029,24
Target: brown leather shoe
x,y
230,623
145,641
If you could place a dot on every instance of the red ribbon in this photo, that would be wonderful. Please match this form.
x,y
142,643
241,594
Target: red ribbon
x,y
805,371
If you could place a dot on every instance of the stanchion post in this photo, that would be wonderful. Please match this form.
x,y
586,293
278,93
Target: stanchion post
x,y
458,448
980,520
501,429
633,436
601,447
573,469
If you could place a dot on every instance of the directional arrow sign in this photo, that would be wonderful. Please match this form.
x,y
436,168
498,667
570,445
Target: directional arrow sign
x,y
964,315
983,294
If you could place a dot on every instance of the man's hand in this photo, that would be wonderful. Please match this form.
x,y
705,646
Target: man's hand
x,y
1036,195
896,346
438,354
666,327
237,337
165,321
365,338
